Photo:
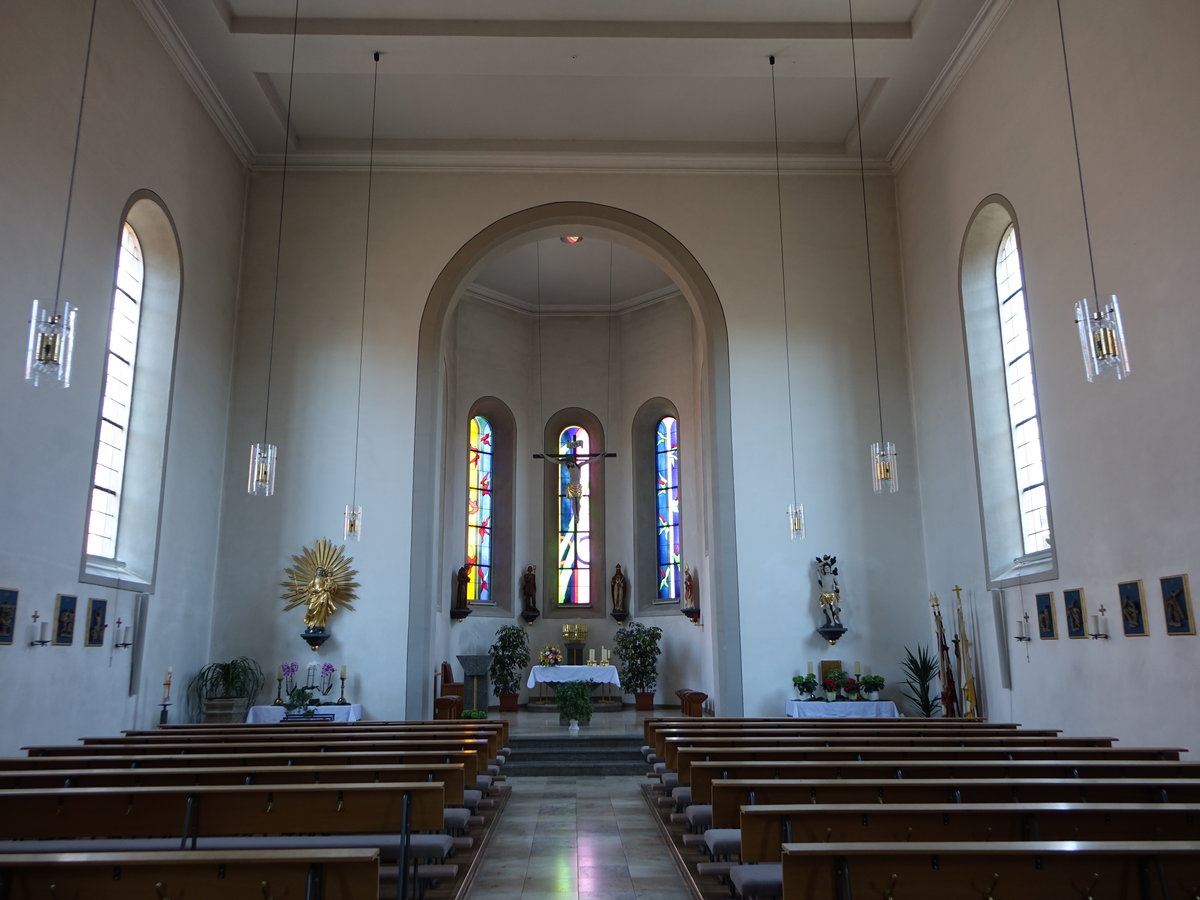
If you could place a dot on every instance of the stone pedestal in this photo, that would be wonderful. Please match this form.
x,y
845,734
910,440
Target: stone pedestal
x,y
476,687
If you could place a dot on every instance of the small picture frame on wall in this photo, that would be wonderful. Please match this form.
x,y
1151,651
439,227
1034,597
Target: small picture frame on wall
x,y
64,620
97,621
1076,613
830,665
8,615
1177,605
1047,624
1133,609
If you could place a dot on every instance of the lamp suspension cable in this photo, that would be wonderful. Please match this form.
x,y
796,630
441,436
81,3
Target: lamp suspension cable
x,y
1101,333
52,334
352,520
263,456
883,453
795,511
608,401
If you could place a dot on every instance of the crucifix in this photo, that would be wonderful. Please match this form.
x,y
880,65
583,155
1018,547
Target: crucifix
x,y
572,462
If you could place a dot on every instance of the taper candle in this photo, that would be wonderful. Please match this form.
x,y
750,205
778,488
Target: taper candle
x,y
343,671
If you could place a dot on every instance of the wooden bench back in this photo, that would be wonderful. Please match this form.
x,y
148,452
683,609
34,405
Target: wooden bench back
x,y
500,725
327,874
650,724
830,730
219,810
730,795
1031,870
276,746
488,739
703,774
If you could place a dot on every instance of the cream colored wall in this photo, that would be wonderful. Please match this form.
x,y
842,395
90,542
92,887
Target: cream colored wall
x,y
728,223
142,129
1120,458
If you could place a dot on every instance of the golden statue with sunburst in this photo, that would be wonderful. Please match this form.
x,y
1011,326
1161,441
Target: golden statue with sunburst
x,y
322,580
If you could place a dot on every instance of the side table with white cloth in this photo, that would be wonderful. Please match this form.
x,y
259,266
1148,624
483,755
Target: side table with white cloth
x,y
562,674
346,712
842,709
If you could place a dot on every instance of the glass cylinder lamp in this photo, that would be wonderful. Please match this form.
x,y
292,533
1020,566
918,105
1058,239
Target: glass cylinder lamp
x,y
352,524
51,344
883,468
261,482
796,520
1102,340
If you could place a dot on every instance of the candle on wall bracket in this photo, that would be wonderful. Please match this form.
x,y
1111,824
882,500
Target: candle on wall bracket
x,y
1099,624
42,630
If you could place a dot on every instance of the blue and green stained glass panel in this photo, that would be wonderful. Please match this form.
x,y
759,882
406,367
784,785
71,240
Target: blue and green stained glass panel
x,y
666,464
574,521
479,512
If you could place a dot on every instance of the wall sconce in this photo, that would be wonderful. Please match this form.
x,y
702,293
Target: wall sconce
x,y
122,636
43,632
1099,626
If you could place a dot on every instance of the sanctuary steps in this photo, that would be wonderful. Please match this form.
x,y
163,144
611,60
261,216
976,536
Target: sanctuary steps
x,y
581,754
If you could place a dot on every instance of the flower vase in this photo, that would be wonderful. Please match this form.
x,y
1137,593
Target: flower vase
x,y
573,728
852,696
830,696
873,696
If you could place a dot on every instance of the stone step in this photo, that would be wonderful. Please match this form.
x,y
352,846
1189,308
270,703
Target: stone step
x,y
581,754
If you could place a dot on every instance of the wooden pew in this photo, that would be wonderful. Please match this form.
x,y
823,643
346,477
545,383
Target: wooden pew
x,y
487,740
449,774
277,746
500,725
313,874
1033,870
730,795
651,723
765,827
704,773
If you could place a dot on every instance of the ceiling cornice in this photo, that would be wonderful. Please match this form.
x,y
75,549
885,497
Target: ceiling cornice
x,y
189,66
477,291
943,86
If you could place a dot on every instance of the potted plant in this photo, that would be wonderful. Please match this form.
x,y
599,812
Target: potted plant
x,y
637,647
831,683
921,669
574,700
222,691
850,687
299,699
871,686
510,656
806,685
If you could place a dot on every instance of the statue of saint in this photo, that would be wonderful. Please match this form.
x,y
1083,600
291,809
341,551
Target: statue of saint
x,y
829,593
529,589
461,580
620,588
689,589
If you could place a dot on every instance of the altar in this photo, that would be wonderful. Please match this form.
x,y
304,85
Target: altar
x,y
842,709
561,674
346,712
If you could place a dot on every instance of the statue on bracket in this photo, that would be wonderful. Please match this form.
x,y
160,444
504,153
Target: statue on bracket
x,y
829,599
691,606
529,610
321,580
460,608
620,594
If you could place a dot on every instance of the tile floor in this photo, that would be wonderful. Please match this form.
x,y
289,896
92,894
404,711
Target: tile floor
x,y
578,838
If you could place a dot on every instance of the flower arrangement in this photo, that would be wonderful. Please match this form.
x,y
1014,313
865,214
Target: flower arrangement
x,y
550,656
287,674
872,683
805,684
327,671
850,687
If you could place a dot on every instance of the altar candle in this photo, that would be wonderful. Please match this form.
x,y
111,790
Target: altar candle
x,y
125,635
857,668
1095,623
44,632
279,674
810,668
592,655
312,673
167,687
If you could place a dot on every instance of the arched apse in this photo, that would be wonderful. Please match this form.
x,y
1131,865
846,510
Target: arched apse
x,y
712,348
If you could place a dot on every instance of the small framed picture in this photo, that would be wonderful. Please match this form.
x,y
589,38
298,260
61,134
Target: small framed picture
x,y
64,620
97,621
1133,609
8,615
1077,619
1047,625
1177,604
830,665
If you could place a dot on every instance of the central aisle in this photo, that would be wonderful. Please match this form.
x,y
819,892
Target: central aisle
x,y
584,837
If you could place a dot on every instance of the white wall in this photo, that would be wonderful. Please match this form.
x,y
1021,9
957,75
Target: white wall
x,y
142,129
1120,458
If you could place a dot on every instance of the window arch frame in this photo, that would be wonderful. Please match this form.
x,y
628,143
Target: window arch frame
x,y
134,565
596,606
643,438
1005,557
504,441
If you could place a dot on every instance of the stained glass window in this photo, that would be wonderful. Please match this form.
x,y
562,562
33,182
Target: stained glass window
x,y
479,512
574,521
666,464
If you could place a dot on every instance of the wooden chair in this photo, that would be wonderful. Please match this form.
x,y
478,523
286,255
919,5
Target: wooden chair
x,y
452,691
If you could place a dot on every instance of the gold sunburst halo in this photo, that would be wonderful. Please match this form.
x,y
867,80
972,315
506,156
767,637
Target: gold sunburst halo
x,y
321,579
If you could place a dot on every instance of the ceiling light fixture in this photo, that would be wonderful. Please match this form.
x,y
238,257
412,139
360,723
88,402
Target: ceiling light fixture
x,y
884,474
352,520
1101,332
795,511
263,456
52,332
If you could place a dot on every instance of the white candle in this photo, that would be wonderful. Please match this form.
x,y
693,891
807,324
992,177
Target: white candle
x,y
167,687
343,673
312,673
810,668
592,655
857,667
43,631
1095,623
126,633
169,670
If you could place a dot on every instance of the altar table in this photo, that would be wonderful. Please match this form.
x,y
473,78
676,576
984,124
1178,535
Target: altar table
x,y
348,712
559,674
842,709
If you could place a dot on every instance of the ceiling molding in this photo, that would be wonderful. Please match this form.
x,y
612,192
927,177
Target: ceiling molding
x,y
193,73
943,87
477,291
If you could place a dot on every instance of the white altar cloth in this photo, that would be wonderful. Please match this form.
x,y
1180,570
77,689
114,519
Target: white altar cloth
x,y
842,709
350,712
559,674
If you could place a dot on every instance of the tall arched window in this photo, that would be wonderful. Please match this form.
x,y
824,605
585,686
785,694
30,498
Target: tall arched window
x,y
479,512
666,471
124,505
109,473
1014,494
574,519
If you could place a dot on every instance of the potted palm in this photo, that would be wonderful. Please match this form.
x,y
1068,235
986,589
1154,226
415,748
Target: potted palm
x,y
921,668
223,691
510,656
637,647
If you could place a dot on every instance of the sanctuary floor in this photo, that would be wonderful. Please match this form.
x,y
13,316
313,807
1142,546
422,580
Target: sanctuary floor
x,y
578,837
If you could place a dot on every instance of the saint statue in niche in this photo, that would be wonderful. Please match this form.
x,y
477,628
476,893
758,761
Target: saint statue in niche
x,y
461,580
620,588
529,589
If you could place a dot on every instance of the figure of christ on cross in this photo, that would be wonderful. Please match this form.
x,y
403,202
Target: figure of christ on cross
x,y
572,462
